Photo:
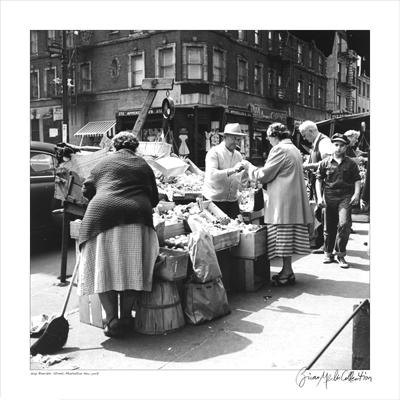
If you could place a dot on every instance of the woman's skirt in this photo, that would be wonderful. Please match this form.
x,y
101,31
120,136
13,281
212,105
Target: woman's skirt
x,y
286,240
121,258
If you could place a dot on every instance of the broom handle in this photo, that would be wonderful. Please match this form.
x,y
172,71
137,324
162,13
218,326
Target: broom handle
x,y
71,284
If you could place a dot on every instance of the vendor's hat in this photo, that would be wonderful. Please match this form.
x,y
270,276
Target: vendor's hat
x,y
232,129
340,137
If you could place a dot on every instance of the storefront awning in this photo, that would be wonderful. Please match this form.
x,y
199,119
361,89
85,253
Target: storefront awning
x,y
97,128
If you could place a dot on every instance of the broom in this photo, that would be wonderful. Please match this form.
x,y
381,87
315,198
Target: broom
x,y
56,333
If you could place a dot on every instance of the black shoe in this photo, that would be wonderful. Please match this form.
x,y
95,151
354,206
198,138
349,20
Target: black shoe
x,y
290,280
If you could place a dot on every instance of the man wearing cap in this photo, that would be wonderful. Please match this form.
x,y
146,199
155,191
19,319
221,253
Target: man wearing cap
x,y
340,177
321,147
225,171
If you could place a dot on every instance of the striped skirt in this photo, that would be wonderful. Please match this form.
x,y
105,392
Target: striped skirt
x,y
121,258
286,240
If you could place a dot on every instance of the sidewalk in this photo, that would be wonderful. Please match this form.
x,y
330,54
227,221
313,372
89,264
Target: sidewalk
x,y
272,328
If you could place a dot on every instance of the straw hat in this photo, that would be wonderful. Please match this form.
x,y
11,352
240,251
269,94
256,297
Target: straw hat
x,y
232,129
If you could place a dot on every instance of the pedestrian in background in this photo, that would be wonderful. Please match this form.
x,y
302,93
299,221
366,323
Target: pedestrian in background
x,y
224,172
117,239
321,147
340,177
287,212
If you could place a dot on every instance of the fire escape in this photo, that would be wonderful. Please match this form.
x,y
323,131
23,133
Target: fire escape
x,y
281,49
349,83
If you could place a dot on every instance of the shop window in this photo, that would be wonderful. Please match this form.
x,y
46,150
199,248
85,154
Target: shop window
x,y
300,92
165,61
136,69
34,42
243,74
257,38
258,79
35,85
257,145
86,79
219,65
194,58
245,144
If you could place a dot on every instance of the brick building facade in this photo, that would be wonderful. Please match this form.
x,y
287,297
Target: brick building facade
x,y
250,77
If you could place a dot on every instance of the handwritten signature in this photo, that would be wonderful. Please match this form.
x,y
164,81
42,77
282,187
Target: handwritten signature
x,y
324,377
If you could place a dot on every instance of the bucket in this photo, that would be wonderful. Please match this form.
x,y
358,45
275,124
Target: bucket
x,y
160,311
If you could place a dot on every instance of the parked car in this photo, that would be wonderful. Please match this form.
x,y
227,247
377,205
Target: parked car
x,y
43,221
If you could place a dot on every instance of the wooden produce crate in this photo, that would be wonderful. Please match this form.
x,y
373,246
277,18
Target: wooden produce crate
x,y
192,196
173,230
251,245
248,275
90,310
173,265
226,240
252,217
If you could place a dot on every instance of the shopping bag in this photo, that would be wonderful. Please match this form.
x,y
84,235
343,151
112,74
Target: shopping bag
x,y
204,259
258,200
205,302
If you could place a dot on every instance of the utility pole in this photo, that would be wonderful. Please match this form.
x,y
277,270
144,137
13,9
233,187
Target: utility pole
x,y
64,62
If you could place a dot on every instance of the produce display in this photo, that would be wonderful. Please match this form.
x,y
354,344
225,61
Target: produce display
x,y
180,185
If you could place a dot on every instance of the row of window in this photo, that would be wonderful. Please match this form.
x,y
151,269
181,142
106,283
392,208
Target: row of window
x,y
52,84
364,93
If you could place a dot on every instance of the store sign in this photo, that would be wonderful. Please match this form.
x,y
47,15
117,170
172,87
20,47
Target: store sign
x,y
137,112
239,112
57,114
268,114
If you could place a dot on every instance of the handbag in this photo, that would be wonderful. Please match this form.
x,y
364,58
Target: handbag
x,y
258,198
205,301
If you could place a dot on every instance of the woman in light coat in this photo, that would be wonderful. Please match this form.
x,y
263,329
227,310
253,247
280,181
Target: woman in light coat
x,y
286,210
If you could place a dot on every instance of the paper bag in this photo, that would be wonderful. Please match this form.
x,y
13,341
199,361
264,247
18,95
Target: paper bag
x,y
205,301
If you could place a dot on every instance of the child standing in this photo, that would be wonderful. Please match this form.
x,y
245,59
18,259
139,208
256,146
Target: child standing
x,y
340,177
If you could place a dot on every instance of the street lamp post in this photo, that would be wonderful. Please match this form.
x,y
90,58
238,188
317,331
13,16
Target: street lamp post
x,y
65,128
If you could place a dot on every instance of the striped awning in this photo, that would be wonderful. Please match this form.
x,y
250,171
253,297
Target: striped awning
x,y
97,128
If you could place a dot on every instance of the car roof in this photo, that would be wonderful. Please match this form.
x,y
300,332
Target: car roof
x,y
41,146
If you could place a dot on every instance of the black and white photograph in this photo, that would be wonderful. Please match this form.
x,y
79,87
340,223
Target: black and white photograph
x,y
198,219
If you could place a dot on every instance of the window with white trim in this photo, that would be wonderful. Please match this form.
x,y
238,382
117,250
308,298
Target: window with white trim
x,y
311,95
258,78
300,59
219,65
195,61
165,61
52,84
300,92
242,35
136,69
35,84
51,37
320,64
243,74
86,77
34,42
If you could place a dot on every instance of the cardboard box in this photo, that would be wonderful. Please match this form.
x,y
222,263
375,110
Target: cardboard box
x,y
251,245
173,266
